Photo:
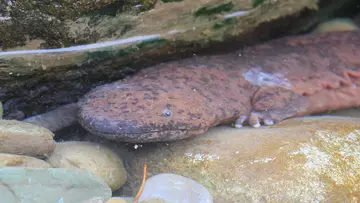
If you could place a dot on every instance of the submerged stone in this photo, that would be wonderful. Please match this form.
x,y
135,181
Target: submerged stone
x,y
310,159
92,157
13,160
34,185
17,137
1,110
172,188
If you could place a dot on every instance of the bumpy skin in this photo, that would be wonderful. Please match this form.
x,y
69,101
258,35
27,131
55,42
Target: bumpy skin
x,y
288,77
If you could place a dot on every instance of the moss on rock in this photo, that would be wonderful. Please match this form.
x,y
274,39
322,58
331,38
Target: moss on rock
x,y
47,19
210,10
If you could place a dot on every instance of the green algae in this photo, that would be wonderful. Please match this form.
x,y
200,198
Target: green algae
x,y
167,1
226,22
98,55
44,20
210,10
104,55
110,53
47,20
256,3
151,43
148,3
109,10
131,6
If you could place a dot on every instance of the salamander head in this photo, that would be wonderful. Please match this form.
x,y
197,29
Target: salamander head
x,y
143,113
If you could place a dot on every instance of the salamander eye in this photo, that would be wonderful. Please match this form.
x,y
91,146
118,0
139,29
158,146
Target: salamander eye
x,y
167,112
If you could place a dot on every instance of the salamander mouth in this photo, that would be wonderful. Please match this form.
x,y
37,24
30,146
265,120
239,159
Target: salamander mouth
x,y
126,131
148,137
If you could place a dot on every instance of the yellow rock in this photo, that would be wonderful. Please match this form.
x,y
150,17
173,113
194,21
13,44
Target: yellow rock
x,y
22,138
13,160
310,159
338,24
92,157
120,200
351,112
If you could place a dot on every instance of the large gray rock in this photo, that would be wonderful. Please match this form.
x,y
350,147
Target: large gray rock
x,y
35,185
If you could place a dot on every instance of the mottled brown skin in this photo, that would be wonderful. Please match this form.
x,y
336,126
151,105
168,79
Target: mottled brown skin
x,y
179,99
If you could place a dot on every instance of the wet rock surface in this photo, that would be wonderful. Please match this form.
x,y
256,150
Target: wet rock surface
x,y
35,185
161,187
91,157
300,160
13,160
47,22
36,168
25,139
339,24
120,200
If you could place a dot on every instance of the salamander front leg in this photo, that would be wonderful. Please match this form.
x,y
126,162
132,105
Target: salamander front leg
x,y
274,104
240,121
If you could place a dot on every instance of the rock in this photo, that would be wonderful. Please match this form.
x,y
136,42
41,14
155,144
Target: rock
x,y
57,119
92,157
22,138
357,20
34,185
12,160
112,200
95,200
22,16
154,200
309,159
121,200
337,24
26,20
172,188
351,112
1,110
